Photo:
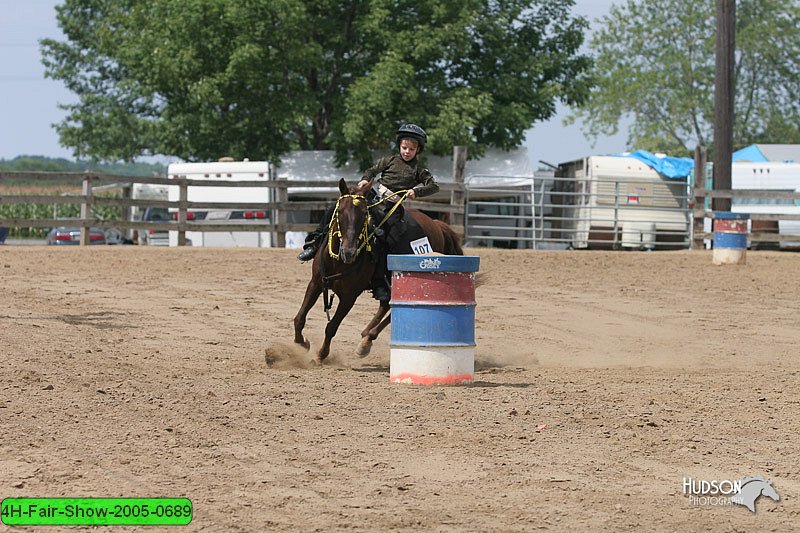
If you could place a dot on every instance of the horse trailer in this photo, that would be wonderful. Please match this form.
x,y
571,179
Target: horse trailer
x,y
768,176
618,202
225,171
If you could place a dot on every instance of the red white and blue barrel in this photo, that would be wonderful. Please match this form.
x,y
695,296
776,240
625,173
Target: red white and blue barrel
x,y
433,319
730,237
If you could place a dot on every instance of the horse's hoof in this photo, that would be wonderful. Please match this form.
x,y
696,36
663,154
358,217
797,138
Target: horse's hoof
x,y
364,347
269,357
305,344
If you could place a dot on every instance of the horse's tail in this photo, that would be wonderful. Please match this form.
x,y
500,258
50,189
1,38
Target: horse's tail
x,y
452,242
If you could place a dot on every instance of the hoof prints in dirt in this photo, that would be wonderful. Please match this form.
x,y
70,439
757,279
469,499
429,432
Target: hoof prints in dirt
x,y
97,320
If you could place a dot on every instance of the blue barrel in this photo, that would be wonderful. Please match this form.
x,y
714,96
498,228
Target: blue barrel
x,y
433,319
730,237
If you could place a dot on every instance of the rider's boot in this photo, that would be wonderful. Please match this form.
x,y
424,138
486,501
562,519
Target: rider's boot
x,y
379,283
380,290
315,238
311,246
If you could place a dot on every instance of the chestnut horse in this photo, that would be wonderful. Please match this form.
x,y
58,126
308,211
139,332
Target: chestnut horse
x,y
344,264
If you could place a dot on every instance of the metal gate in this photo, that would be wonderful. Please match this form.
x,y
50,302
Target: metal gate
x,y
547,212
500,211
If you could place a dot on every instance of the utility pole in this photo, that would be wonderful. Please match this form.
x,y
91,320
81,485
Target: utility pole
x,y
723,100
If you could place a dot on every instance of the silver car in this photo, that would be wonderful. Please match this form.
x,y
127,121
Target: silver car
x,y
65,236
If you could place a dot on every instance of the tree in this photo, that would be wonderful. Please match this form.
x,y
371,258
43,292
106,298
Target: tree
x,y
654,63
198,79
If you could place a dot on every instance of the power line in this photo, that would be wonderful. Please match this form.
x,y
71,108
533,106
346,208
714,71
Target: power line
x,y
24,79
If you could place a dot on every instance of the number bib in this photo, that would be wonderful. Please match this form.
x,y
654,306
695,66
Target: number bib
x,y
421,246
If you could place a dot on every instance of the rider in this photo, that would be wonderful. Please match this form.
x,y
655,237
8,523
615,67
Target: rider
x,y
399,171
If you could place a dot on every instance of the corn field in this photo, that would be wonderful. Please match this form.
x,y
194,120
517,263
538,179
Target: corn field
x,y
41,211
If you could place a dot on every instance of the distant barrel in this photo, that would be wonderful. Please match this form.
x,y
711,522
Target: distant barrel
x,y
730,238
433,319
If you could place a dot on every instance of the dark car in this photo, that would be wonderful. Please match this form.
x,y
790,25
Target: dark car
x,y
68,236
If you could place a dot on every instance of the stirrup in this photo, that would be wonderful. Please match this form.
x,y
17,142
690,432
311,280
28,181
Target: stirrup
x,y
382,294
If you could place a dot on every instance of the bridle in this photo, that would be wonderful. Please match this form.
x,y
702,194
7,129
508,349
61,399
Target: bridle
x,y
364,237
334,230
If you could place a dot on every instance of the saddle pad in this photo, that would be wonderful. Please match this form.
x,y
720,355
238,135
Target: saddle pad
x,y
400,242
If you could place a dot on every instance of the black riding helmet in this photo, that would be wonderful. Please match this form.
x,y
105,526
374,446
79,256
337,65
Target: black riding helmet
x,y
412,131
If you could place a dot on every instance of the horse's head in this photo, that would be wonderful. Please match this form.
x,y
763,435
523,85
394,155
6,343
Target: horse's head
x,y
353,216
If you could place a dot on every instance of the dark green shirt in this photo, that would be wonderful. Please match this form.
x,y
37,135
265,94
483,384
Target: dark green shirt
x,y
398,175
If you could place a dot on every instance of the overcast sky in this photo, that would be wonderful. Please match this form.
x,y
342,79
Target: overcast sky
x,y
29,102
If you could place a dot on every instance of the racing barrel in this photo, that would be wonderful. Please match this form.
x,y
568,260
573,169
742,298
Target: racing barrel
x,y
433,319
730,238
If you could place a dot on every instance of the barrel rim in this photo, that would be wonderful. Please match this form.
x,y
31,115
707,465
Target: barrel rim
x,y
433,263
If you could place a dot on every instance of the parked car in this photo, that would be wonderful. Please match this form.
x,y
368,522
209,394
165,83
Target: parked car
x,y
154,237
64,235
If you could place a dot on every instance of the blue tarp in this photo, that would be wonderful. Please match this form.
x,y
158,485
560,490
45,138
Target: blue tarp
x,y
749,153
669,167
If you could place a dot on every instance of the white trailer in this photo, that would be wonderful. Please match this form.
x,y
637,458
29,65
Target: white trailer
x,y
225,171
609,202
782,177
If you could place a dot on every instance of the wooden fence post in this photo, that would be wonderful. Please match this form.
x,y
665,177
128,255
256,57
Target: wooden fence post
x,y
86,209
281,217
125,210
183,198
457,197
700,159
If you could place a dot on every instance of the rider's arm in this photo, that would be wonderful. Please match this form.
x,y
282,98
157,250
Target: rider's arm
x,y
379,166
426,184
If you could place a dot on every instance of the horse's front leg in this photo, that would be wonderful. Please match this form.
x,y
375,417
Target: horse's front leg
x,y
345,304
370,332
312,295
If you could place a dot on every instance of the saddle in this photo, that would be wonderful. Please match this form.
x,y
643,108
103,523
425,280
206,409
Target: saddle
x,y
398,231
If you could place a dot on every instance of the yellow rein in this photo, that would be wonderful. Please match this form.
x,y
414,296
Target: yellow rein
x,y
403,194
364,236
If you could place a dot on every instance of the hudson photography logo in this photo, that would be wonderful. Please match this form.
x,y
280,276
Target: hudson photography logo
x,y
743,491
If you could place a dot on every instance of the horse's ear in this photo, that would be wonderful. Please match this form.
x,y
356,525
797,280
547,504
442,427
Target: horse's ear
x,y
343,187
368,186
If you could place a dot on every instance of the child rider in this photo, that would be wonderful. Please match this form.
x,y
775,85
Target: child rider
x,y
399,171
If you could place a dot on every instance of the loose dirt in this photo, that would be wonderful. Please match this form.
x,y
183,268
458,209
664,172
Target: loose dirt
x,y
603,380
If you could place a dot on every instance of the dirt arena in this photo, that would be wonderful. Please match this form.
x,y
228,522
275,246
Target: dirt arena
x,y
604,379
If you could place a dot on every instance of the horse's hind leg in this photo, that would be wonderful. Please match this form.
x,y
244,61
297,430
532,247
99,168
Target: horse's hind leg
x,y
345,304
312,295
370,332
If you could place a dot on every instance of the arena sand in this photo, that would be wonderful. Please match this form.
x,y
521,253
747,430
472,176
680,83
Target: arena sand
x,y
604,379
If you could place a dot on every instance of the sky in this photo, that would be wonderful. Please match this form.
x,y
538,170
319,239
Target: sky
x,y
29,102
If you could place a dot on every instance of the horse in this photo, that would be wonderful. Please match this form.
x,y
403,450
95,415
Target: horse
x,y
344,264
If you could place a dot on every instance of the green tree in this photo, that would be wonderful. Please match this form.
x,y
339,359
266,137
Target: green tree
x,y
31,163
198,79
654,65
